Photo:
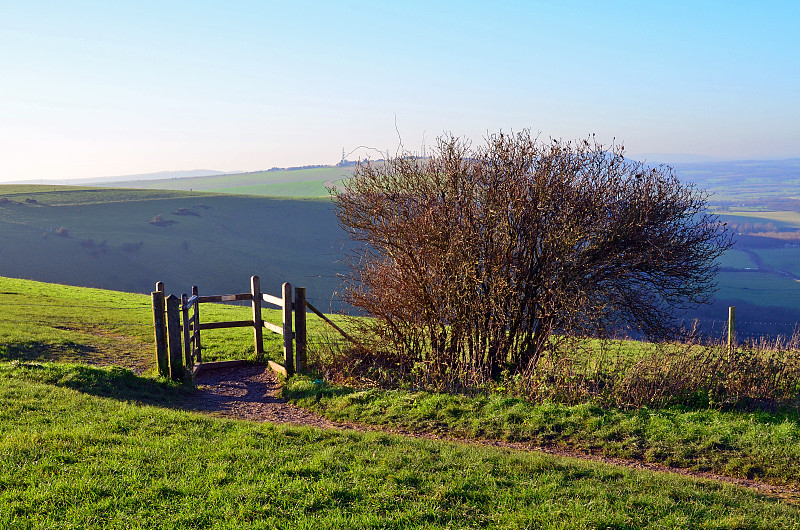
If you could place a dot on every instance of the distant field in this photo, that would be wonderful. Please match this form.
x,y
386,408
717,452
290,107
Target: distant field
x,y
736,259
311,182
223,239
101,447
783,220
745,181
759,288
49,322
108,240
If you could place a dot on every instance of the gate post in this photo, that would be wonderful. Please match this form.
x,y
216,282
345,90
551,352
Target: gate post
x,y
258,324
160,326
174,337
301,353
187,346
288,336
196,352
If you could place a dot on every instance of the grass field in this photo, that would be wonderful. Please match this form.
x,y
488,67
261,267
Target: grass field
x,y
49,322
311,182
101,447
745,181
765,289
223,239
76,454
782,219
751,445
219,242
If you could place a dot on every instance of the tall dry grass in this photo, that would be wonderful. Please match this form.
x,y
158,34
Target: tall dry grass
x,y
762,374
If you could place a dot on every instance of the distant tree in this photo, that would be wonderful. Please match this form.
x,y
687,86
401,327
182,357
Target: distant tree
x,y
476,261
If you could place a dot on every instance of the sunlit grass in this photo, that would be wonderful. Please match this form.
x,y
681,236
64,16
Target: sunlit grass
x,y
75,455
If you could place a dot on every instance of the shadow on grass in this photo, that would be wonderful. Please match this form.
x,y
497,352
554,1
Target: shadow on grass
x,y
111,382
41,351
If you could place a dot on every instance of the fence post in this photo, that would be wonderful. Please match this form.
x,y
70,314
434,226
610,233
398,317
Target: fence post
x,y
160,326
301,355
258,333
174,338
288,357
187,347
196,331
731,329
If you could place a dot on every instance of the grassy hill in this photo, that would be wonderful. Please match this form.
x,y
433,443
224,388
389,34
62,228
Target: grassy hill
x,y
303,182
100,447
105,238
217,241
73,455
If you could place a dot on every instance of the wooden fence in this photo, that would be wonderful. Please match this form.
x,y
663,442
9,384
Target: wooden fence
x,y
178,343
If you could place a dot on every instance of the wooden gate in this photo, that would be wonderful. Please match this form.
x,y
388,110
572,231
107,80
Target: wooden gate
x,y
174,330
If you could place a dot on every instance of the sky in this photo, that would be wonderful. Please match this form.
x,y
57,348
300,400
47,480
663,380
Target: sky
x,y
97,88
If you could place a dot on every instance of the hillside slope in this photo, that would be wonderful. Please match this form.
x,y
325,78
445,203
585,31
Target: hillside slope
x,y
105,238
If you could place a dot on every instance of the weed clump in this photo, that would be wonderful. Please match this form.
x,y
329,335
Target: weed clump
x,y
757,375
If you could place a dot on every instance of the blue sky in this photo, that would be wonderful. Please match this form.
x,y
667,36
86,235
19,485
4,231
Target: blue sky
x,y
94,89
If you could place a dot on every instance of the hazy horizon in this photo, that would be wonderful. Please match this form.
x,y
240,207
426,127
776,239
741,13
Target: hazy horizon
x,y
133,89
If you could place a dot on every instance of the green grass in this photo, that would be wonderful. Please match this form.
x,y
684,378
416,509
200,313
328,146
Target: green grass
x,y
228,238
88,446
75,456
49,322
310,182
752,445
758,288
224,241
782,219
736,259
308,188
785,259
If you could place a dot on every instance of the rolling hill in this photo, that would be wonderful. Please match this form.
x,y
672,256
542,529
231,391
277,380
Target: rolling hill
x,y
105,238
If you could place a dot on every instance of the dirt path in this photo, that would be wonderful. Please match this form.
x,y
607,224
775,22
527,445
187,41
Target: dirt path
x,y
252,392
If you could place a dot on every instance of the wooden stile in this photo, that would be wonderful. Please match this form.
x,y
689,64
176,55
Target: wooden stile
x,y
331,324
160,327
273,328
178,346
255,291
274,300
174,332
288,336
301,355
195,326
187,343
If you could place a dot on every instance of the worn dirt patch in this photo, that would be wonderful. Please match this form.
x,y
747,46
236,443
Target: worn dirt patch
x,y
252,392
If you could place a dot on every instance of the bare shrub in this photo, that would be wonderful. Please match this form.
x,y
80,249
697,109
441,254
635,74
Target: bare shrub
x,y
477,263
159,220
